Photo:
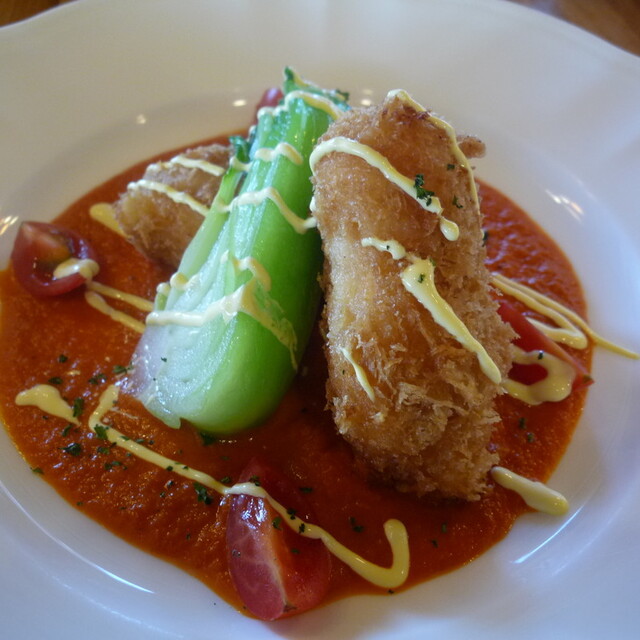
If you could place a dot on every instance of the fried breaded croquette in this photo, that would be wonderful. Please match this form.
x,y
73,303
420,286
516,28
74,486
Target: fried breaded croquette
x,y
413,401
161,212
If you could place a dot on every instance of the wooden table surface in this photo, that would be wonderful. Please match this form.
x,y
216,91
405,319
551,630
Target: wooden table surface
x,y
617,21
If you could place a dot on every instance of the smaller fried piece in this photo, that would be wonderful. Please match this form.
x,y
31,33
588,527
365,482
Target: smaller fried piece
x,y
413,401
160,213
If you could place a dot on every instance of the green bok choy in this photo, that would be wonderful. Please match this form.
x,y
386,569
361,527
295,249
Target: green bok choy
x,y
223,343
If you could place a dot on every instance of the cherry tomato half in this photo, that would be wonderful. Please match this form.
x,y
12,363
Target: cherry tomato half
x,y
530,338
276,572
38,249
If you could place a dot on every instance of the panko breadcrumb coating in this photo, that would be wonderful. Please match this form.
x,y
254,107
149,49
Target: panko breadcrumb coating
x,y
157,225
412,401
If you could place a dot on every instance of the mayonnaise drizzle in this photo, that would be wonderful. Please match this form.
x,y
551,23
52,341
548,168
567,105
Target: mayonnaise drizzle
x,y
463,162
48,399
554,387
300,225
281,149
129,298
105,214
312,99
251,298
191,163
96,301
573,327
536,494
361,374
419,280
375,159
86,267
395,532
179,197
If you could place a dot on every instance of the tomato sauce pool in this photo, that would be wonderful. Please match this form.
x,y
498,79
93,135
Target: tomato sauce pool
x,y
64,341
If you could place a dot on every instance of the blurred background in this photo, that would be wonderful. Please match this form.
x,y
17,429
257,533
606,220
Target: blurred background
x,y
617,21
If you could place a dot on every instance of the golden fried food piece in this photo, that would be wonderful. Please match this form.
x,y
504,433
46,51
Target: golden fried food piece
x,y
161,212
413,402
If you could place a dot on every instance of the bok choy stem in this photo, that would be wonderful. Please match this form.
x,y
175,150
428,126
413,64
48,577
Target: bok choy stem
x,y
222,347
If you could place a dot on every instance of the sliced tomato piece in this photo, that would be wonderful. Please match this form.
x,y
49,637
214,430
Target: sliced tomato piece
x,y
530,338
38,249
276,571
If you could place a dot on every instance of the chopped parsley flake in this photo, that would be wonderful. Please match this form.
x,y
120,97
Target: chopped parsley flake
x,y
62,358
306,489
114,463
455,202
451,167
101,431
255,480
226,480
65,431
55,380
277,522
358,528
73,449
37,470
78,407
202,493
421,192
119,369
207,439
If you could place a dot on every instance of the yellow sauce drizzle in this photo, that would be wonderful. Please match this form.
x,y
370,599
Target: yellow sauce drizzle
x,y
536,494
375,159
393,247
236,164
300,225
135,301
418,279
554,387
572,324
179,197
361,374
250,298
281,149
312,99
48,399
86,267
395,532
96,301
463,161
105,214
191,163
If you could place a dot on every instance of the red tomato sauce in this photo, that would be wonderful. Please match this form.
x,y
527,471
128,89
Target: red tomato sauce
x,y
65,340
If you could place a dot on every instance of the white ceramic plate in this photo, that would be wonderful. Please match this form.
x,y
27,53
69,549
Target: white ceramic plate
x,y
96,85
